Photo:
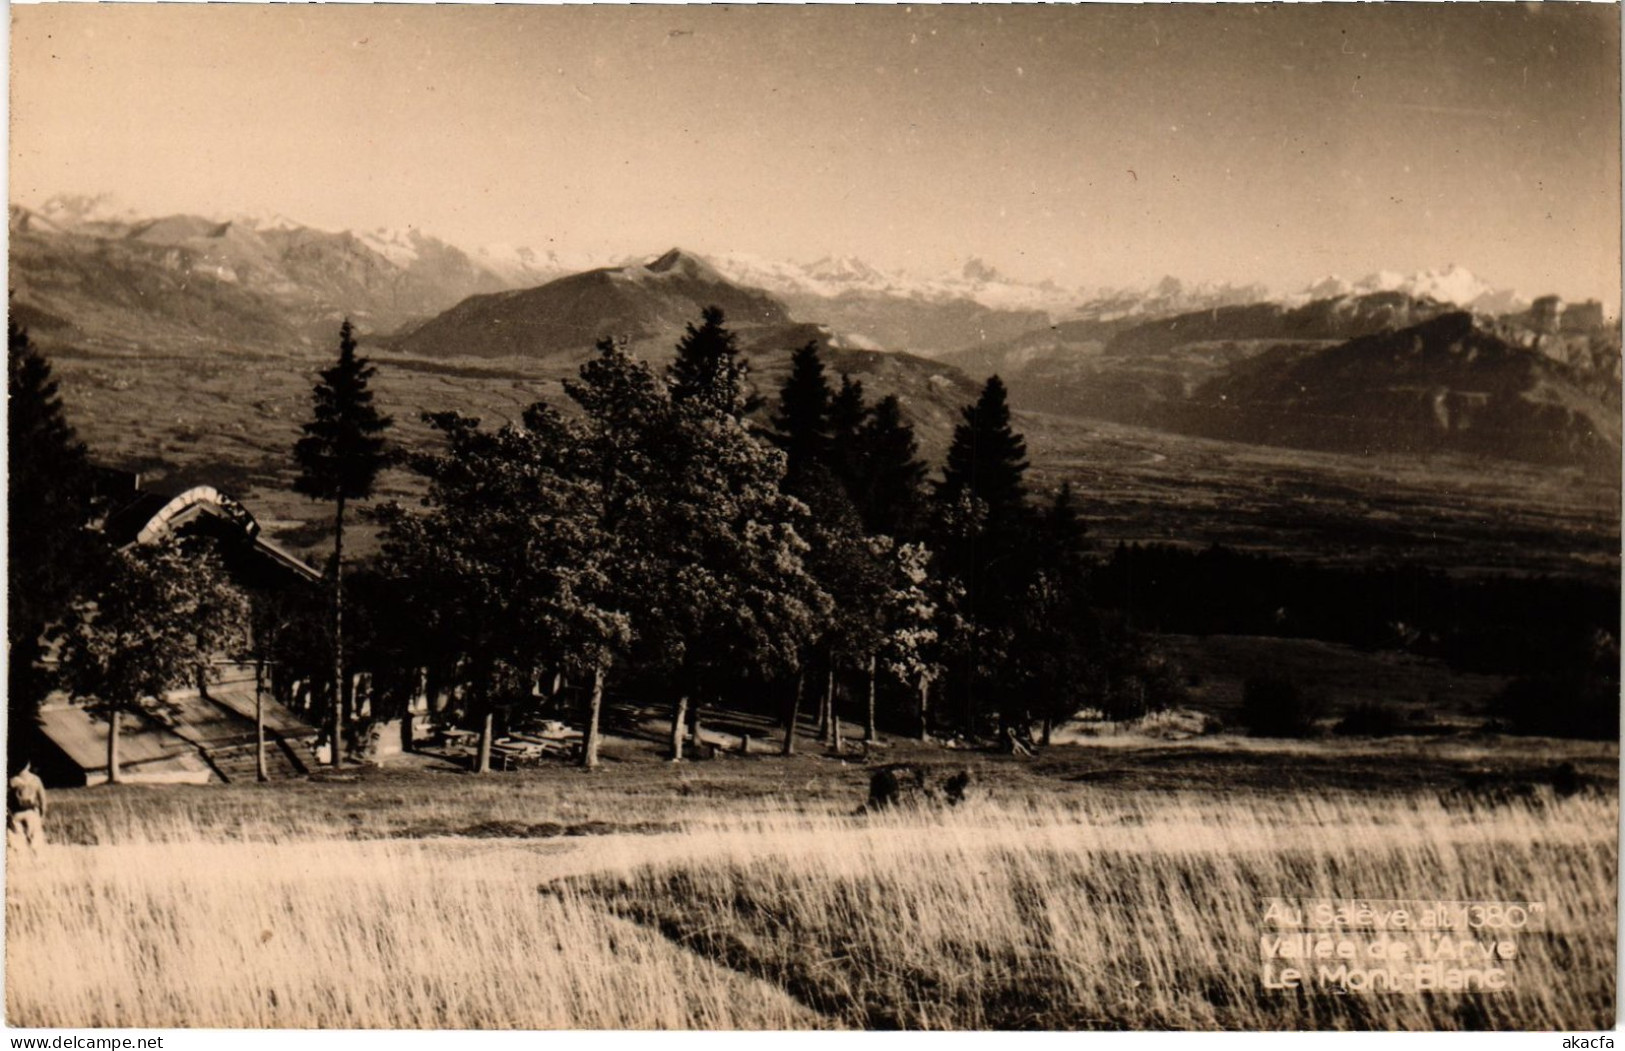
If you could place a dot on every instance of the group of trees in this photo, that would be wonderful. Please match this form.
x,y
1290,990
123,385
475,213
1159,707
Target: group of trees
x,y
670,542
662,539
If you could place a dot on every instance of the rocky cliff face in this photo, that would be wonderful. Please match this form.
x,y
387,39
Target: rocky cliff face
x,y
1445,385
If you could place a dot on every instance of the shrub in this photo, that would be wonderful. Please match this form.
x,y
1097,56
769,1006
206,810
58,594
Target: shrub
x,y
1369,719
1277,707
1575,705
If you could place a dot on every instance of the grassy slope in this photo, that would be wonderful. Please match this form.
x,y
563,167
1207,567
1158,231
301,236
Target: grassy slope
x,y
1052,899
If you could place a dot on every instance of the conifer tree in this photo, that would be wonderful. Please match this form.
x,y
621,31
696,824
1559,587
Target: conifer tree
x,y
1062,538
984,533
708,370
988,458
847,413
51,555
339,459
892,473
803,416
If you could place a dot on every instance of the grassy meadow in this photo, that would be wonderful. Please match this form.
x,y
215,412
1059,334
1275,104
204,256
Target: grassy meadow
x,y
747,893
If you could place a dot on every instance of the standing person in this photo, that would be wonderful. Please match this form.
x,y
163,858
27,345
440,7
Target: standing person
x,y
25,802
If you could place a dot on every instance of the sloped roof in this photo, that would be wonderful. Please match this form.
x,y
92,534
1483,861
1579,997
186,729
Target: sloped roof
x,y
149,515
239,699
179,743
147,751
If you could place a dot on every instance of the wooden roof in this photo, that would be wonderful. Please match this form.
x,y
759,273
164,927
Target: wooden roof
x,y
239,699
147,751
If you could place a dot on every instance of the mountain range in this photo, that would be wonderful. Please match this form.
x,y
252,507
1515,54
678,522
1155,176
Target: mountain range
x,y
104,276
1220,360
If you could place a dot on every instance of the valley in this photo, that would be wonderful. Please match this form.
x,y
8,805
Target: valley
x,y
232,418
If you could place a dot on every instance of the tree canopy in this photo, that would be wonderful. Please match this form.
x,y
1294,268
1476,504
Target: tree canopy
x,y
165,610
343,446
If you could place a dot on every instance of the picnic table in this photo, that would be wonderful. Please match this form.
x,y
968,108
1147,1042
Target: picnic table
x,y
454,739
565,745
509,754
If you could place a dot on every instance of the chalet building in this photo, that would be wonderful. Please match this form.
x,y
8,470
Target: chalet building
x,y
206,733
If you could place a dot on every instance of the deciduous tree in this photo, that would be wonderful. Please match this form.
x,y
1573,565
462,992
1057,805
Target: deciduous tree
x,y
166,608
512,561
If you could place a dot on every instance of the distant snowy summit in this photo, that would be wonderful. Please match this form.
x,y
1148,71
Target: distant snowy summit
x,y
849,276
1453,284
978,282
846,277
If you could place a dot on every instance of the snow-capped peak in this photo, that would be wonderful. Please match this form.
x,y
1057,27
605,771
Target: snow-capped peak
x,y
266,221
398,246
1452,284
70,210
848,269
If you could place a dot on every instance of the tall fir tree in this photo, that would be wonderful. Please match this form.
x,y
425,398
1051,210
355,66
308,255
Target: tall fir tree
x,y
339,459
802,420
985,534
892,473
708,372
988,459
1063,538
847,413
51,554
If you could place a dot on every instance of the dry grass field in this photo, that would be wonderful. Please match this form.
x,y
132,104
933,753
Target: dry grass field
x,y
748,894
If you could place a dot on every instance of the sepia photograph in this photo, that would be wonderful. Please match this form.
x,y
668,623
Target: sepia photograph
x,y
956,518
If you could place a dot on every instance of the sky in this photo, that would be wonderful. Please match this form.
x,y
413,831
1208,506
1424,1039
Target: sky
x,y
1100,145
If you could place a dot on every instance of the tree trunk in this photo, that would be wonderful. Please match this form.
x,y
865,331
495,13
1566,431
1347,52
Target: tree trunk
x,y
679,716
694,722
823,717
435,686
835,741
829,703
112,747
925,706
589,747
259,722
1049,724
338,630
795,714
487,729
869,732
